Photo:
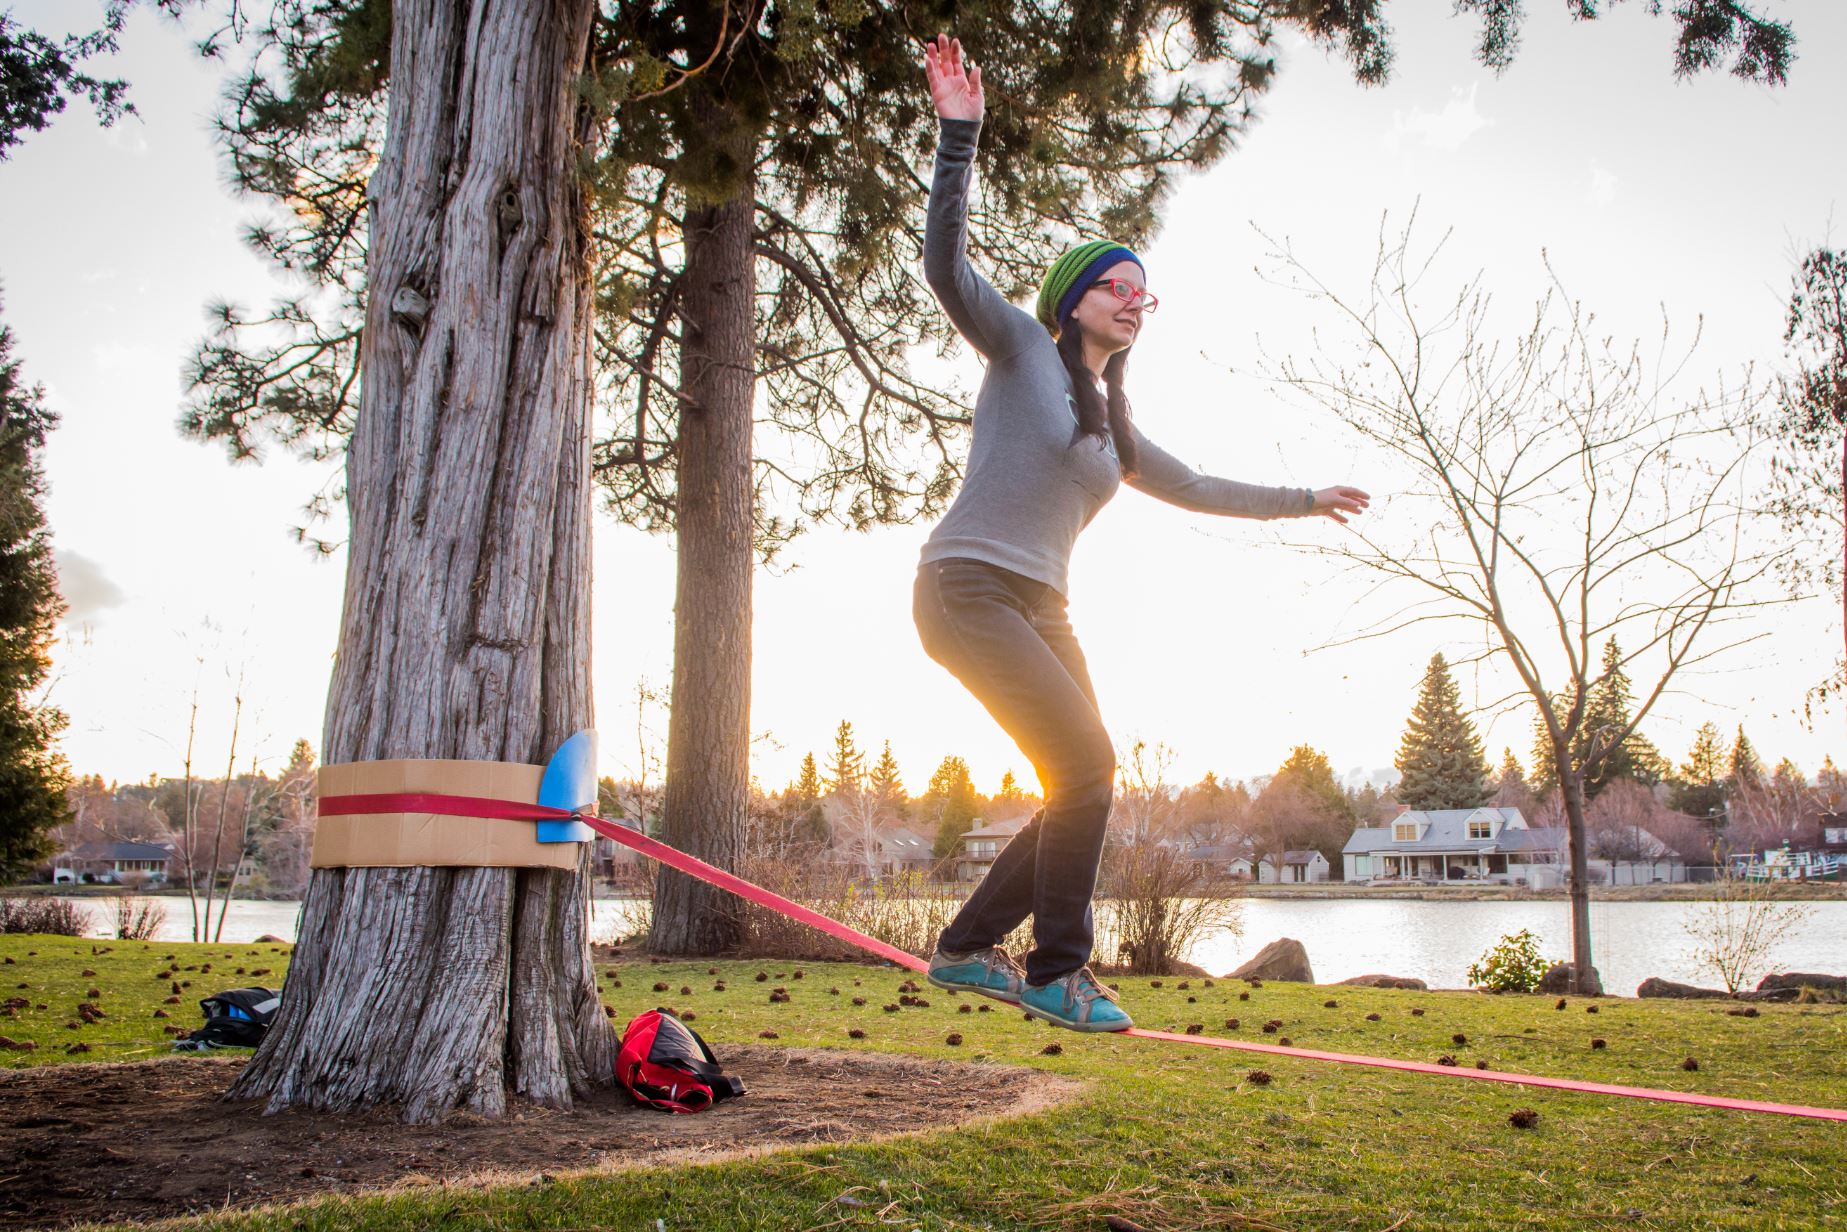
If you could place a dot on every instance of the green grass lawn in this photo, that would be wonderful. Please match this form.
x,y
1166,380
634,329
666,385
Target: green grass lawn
x,y
1171,1136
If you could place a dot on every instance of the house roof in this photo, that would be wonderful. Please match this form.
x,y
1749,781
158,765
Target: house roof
x,y
1301,857
1448,830
119,851
997,829
903,842
1226,852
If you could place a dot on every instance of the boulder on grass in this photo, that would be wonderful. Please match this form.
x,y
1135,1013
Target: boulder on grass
x,y
270,939
1387,981
1798,980
1282,959
1655,986
1557,980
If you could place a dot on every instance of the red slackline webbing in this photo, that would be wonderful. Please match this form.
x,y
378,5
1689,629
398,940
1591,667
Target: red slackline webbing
x,y
470,806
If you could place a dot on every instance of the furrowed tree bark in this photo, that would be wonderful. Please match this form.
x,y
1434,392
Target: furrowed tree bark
x,y
708,734
465,632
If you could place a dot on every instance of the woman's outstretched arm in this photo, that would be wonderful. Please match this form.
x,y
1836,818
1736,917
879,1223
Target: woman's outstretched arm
x,y
1165,477
992,325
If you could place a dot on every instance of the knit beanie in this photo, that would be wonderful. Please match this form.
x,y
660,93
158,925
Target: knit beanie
x,y
1072,275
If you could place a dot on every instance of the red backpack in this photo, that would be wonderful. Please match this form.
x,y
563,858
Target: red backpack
x,y
665,1065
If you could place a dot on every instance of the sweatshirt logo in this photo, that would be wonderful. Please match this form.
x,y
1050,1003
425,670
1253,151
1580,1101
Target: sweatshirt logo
x,y
1109,441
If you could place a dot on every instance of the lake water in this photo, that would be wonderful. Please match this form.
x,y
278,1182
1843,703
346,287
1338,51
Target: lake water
x,y
1432,941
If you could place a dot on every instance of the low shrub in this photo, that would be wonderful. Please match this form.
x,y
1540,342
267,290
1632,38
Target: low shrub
x,y
1512,964
43,915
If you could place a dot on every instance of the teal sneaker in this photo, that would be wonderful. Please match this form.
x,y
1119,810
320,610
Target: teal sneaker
x,y
1076,1001
990,972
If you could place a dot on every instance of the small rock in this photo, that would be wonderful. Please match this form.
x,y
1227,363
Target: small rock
x,y
1387,981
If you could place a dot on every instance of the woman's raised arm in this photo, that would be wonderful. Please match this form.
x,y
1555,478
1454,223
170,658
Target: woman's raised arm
x,y
982,314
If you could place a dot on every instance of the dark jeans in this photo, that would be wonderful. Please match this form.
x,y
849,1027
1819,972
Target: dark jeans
x,y
1007,639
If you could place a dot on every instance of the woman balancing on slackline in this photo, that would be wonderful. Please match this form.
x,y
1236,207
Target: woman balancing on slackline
x,y
1053,439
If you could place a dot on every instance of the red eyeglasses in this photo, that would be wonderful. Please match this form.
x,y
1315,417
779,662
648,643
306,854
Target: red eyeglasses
x,y
1128,292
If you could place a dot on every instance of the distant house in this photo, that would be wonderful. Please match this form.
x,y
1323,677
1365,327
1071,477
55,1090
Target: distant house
x,y
902,850
982,844
1225,859
1297,867
1481,844
1821,858
109,863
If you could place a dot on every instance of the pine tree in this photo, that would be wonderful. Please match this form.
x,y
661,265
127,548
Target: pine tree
x,y
1699,791
1440,758
1744,769
846,767
887,785
950,804
1606,714
807,820
33,774
1511,776
1009,788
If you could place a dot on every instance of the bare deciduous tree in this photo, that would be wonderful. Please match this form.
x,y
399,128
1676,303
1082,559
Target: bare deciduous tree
x,y
1557,491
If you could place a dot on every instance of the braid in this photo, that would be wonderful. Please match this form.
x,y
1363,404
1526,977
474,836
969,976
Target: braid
x,y
1105,421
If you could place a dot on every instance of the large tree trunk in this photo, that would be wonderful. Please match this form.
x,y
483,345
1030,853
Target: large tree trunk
x,y
466,626
708,741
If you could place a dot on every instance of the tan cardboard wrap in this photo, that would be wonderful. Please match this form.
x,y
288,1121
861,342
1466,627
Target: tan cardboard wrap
x,y
408,840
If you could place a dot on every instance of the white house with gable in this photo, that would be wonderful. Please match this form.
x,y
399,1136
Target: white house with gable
x,y
1479,844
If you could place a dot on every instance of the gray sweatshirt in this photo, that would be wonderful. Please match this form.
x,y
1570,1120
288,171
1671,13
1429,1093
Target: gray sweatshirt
x,y
1029,488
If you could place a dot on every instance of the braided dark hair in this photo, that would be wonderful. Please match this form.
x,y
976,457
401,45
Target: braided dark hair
x,y
1105,421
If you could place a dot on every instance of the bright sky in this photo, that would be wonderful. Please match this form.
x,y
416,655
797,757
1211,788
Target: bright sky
x,y
1646,193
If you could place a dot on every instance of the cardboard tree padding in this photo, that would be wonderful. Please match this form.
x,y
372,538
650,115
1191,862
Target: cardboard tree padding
x,y
412,840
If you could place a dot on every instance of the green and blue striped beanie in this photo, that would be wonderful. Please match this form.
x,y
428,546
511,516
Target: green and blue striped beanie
x,y
1072,275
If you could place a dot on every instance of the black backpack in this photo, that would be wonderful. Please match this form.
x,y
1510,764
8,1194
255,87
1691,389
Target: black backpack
x,y
235,1019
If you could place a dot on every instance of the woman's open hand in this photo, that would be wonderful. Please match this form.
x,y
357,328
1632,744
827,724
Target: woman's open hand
x,y
956,93
1337,501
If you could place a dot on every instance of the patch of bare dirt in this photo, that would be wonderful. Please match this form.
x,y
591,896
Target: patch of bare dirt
x,y
151,1140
